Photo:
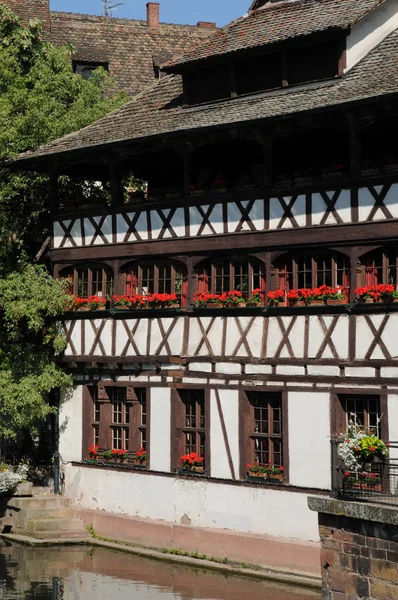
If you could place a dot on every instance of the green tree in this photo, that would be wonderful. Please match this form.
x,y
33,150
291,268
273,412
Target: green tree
x,y
40,99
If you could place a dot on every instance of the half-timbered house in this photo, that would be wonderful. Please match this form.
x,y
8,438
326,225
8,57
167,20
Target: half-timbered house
x,y
271,161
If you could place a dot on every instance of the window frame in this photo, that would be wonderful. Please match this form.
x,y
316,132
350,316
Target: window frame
x,y
107,272
104,395
207,277
369,263
177,416
80,65
246,433
339,416
281,277
133,278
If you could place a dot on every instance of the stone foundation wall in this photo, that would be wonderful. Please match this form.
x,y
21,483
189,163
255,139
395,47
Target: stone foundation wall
x,y
359,550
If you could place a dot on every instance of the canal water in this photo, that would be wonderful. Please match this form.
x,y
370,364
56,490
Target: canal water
x,y
81,573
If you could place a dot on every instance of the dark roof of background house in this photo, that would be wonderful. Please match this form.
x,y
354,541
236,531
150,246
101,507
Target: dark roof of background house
x,y
130,48
159,110
277,22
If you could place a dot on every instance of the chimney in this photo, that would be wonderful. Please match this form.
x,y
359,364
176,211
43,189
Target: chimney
x,y
207,24
152,14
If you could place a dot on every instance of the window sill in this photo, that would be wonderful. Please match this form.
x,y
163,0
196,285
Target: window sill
x,y
265,480
115,465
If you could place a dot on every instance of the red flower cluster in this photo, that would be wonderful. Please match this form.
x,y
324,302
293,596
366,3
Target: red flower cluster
x,y
323,292
384,291
93,450
119,453
278,295
140,301
126,301
161,299
92,301
141,455
193,460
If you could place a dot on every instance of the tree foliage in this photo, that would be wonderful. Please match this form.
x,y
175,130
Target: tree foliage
x,y
40,99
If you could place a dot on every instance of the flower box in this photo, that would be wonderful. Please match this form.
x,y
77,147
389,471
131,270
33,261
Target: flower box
x,y
195,193
214,305
318,302
334,175
91,461
370,172
220,190
285,183
391,168
83,308
336,301
301,181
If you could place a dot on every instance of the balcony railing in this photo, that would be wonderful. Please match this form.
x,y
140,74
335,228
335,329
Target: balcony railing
x,y
377,483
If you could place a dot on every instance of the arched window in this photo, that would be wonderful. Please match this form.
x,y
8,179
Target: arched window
x,y
381,266
308,270
162,277
90,280
221,275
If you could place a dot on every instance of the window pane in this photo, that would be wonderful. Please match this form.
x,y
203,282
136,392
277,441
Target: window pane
x,y
221,277
304,272
82,283
148,280
266,434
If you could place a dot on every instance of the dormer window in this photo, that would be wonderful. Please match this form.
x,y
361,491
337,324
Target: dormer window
x,y
288,66
205,85
86,69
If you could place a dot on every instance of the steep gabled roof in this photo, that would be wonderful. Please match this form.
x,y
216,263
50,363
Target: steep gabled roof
x,y
160,111
276,22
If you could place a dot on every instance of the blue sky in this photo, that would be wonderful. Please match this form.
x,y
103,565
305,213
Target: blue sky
x,y
171,11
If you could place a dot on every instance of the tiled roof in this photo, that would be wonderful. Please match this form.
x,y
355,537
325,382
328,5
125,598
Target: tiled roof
x,y
276,22
159,110
129,47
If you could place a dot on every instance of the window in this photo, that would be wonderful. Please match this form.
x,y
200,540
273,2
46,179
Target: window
x,y
381,266
120,420
244,275
86,70
361,409
205,85
258,73
312,62
265,438
159,278
190,423
117,419
310,271
90,280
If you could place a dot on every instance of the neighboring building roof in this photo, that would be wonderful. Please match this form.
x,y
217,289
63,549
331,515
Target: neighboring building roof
x,y
133,50
130,48
276,22
159,110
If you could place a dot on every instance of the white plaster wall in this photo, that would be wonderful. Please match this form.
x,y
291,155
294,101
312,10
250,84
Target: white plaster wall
x,y
160,429
70,424
370,31
229,401
250,509
309,439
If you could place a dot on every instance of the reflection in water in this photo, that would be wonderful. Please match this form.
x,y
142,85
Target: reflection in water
x,y
78,573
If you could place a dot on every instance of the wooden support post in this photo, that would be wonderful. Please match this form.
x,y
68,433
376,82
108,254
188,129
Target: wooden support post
x,y
116,186
353,273
53,192
355,151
